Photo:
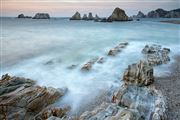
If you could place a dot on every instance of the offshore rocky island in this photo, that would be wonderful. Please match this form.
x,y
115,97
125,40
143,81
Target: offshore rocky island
x,y
137,99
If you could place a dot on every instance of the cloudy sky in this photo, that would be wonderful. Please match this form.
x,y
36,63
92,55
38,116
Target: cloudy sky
x,y
68,7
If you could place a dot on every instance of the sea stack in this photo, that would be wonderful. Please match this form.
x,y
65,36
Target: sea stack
x,y
85,17
90,16
140,15
76,16
118,15
41,16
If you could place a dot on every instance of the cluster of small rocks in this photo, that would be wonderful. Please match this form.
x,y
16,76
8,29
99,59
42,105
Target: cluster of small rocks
x,y
117,15
37,16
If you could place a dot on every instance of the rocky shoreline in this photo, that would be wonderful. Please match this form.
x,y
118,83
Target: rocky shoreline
x,y
138,98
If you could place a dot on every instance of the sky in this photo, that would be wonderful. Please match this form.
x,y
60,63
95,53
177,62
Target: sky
x,y
66,8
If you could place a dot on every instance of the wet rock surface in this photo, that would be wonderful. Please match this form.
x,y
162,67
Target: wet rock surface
x,y
21,99
117,49
140,74
156,55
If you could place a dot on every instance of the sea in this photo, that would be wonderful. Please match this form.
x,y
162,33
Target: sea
x,y
45,51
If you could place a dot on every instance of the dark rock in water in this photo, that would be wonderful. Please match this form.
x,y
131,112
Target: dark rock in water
x,y
157,13
140,15
118,15
76,16
117,49
97,18
85,17
72,67
88,65
173,14
41,16
140,74
22,16
155,55
22,99
90,16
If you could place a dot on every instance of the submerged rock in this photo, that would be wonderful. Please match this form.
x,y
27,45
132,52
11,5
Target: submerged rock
x,y
140,74
118,15
156,55
22,99
41,16
76,16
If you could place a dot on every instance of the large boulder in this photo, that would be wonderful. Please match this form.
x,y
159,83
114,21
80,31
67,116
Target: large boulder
x,y
21,99
118,15
76,16
140,74
41,16
156,55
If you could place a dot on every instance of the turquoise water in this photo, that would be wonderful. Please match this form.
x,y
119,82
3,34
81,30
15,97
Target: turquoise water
x,y
28,45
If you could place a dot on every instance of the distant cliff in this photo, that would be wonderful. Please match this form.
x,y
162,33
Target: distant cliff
x,y
159,13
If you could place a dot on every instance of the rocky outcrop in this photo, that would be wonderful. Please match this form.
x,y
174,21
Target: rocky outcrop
x,y
90,16
140,74
173,14
156,55
160,13
21,99
76,16
85,17
88,65
97,18
23,16
41,16
140,15
117,49
118,15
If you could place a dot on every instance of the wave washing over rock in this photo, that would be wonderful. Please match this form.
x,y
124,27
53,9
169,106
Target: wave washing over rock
x,y
136,99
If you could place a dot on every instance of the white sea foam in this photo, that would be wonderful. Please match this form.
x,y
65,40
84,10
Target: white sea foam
x,y
44,49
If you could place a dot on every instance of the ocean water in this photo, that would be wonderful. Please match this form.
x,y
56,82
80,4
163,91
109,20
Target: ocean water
x,y
43,50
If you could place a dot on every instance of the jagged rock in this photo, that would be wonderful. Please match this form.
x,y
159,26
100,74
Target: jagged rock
x,y
109,111
140,15
144,100
97,18
88,65
118,15
140,74
173,14
41,16
22,99
156,55
52,111
76,16
117,49
90,16
85,17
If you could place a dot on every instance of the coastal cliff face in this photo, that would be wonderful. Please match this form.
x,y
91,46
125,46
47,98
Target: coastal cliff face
x,y
160,13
